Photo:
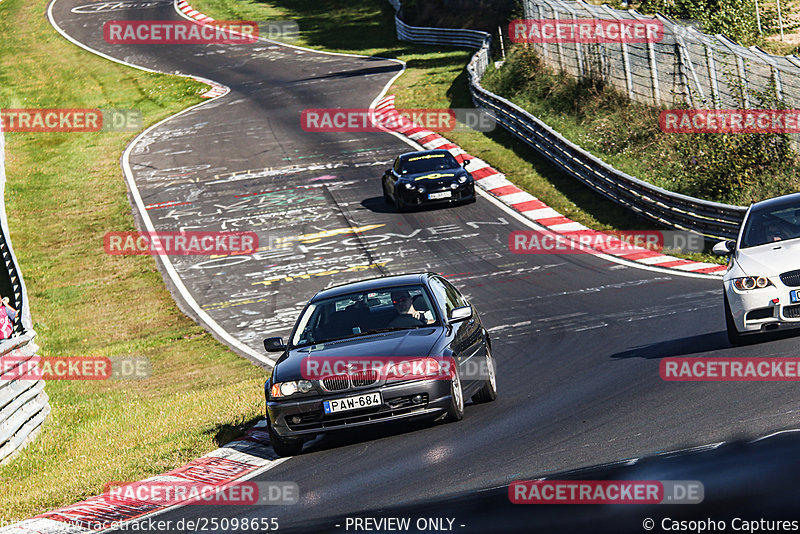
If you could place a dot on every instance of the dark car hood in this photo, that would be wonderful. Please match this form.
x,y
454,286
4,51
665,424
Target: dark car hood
x,y
447,175
418,342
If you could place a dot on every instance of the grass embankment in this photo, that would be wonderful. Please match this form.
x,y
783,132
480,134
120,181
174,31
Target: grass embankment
x,y
64,192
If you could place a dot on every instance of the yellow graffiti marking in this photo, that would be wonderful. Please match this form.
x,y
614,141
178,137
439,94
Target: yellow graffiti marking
x,y
305,276
286,242
313,238
429,156
435,176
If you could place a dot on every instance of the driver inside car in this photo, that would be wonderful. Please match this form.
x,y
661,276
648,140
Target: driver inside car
x,y
406,314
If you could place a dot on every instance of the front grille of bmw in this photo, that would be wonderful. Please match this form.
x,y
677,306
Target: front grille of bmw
x,y
320,421
358,379
791,278
791,312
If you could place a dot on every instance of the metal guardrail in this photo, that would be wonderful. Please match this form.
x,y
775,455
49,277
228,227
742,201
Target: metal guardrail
x,y
24,405
440,36
673,210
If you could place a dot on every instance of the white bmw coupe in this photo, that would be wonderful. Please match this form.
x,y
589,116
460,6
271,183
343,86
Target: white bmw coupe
x,y
762,284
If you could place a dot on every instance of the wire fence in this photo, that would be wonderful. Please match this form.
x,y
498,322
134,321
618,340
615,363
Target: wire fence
x,y
683,66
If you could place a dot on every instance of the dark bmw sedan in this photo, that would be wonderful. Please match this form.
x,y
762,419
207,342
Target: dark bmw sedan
x,y
376,351
429,177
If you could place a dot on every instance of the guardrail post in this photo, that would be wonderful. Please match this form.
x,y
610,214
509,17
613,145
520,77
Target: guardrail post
x,y
626,61
578,44
556,16
712,75
545,50
776,74
651,58
744,88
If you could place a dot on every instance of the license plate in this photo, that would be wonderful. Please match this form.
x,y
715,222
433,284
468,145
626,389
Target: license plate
x,y
794,296
442,194
352,403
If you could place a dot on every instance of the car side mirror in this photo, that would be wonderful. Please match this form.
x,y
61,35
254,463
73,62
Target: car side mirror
x,y
460,314
274,344
465,163
723,248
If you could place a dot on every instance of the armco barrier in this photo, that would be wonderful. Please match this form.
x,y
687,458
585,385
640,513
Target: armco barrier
x,y
23,403
673,210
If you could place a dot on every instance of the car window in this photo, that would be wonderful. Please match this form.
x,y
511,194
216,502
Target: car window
x,y
428,162
447,294
358,314
396,165
771,225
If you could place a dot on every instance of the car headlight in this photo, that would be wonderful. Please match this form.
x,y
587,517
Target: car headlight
x,y
751,282
462,179
408,185
287,389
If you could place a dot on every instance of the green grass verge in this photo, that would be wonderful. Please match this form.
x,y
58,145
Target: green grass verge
x,y
64,192
435,78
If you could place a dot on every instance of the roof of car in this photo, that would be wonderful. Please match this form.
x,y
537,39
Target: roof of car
x,y
371,284
793,198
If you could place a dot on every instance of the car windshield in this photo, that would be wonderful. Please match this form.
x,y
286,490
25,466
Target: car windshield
x,y
771,224
427,163
358,314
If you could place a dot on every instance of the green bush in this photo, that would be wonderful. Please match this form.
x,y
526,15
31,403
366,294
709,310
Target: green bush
x,y
734,18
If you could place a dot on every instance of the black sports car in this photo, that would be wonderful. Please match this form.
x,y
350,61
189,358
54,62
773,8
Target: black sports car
x,y
429,177
380,350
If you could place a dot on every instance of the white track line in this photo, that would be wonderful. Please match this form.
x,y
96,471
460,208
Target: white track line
x,y
126,167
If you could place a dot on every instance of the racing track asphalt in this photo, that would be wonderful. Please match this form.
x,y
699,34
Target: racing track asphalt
x,y
577,338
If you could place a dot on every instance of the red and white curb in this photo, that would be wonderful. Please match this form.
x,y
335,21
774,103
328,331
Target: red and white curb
x,y
234,461
184,6
496,184
217,89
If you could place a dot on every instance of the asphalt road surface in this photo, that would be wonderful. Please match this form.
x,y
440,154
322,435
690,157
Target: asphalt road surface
x,y
577,338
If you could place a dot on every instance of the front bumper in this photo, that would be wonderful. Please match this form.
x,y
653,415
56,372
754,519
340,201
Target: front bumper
x,y
754,311
411,197
396,406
